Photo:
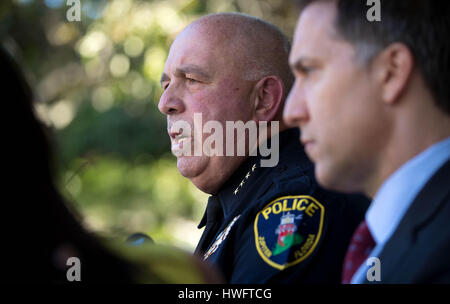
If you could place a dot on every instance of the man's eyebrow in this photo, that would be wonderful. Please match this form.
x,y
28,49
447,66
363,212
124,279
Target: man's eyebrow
x,y
164,77
300,63
187,69
193,69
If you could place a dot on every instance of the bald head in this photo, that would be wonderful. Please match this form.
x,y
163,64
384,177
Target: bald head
x,y
224,68
256,47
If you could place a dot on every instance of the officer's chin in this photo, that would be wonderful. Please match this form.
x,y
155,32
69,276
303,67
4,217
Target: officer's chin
x,y
200,171
192,166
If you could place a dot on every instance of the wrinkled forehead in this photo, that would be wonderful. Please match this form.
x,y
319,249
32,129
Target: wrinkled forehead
x,y
201,46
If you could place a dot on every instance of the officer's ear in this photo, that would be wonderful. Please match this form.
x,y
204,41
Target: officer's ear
x,y
268,98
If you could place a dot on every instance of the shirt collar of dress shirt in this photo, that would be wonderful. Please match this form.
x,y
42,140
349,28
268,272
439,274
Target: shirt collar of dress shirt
x,y
399,191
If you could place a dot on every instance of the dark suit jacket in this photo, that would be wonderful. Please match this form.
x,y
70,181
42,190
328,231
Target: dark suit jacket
x,y
419,250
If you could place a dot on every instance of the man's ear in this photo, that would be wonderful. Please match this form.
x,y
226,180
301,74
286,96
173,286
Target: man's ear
x,y
393,68
269,97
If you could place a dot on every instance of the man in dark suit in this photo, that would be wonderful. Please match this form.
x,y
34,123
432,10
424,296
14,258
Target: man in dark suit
x,y
373,103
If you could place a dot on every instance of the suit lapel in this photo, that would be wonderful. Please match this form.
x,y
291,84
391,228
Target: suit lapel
x,y
429,200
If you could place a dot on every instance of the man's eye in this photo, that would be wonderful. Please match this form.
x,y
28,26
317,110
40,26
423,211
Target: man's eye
x,y
165,85
191,80
306,70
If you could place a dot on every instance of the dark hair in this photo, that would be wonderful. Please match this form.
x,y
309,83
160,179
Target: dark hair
x,y
422,25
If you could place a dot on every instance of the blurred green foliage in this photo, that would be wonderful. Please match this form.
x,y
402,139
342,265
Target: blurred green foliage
x,y
97,86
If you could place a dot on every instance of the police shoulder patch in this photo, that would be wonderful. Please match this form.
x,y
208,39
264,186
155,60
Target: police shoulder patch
x,y
288,229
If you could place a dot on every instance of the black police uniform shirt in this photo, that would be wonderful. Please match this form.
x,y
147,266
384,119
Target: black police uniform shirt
x,y
275,224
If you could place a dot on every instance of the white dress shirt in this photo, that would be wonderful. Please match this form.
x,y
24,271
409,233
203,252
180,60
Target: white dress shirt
x,y
395,197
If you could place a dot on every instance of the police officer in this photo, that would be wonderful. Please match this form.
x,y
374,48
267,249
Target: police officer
x,y
263,223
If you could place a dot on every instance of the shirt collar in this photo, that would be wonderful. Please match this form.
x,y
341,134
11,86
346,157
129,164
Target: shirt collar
x,y
398,192
229,192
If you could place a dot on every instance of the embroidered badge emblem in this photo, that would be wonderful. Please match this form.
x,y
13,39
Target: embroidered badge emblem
x,y
288,229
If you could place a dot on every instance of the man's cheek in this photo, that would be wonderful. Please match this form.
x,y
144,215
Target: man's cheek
x,y
202,98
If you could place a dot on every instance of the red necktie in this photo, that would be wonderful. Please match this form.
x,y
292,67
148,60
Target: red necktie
x,y
361,245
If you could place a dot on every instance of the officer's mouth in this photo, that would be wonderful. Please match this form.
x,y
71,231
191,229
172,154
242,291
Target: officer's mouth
x,y
178,140
178,143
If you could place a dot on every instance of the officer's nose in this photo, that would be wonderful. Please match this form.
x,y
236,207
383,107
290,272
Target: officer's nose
x,y
295,112
170,103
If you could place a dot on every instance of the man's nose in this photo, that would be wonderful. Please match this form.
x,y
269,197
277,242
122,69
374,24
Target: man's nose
x,y
170,103
295,112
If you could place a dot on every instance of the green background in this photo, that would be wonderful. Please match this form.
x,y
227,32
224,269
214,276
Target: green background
x,y
96,85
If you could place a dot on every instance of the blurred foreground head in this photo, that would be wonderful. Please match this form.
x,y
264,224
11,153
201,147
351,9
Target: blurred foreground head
x,y
46,233
368,96
227,67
